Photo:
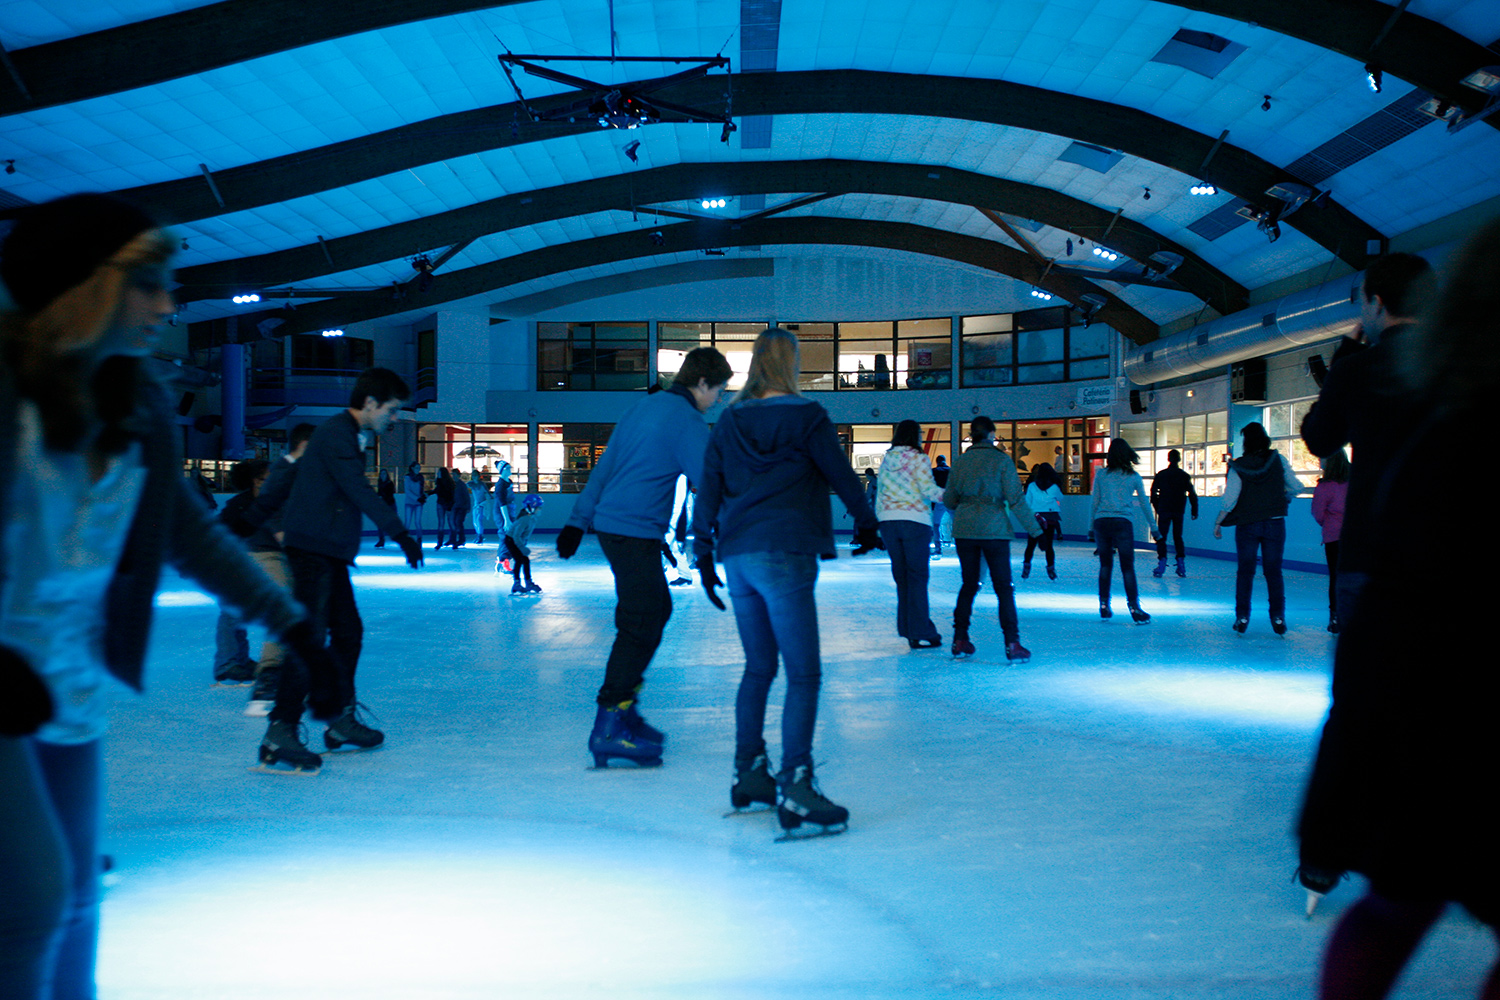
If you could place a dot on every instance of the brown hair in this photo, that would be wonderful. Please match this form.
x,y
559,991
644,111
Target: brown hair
x,y
775,363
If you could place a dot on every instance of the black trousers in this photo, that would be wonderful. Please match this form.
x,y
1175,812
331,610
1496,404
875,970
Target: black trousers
x,y
1174,522
520,561
642,606
322,584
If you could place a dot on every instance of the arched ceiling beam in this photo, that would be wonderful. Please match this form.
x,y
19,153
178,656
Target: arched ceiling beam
x,y
1421,51
691,181
1142,135
194,41
706,235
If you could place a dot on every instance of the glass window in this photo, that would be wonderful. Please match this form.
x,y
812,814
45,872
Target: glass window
x,y
1040,373
924,354
989,360
1089,342
865,353
1039,345
475,447
817,345
1283,422
591,356
1202,438
1094,368
566,453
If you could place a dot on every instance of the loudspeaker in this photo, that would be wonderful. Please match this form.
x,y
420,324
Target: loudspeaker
x,y
1137,404
185,404
1247,381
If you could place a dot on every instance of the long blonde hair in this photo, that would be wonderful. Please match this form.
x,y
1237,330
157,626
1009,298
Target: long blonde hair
x,y
775,364
49,348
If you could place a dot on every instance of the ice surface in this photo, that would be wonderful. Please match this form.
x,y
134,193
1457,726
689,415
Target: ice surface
x,y
1111,820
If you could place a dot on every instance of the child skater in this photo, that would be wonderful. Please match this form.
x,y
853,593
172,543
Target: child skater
x,y
516,537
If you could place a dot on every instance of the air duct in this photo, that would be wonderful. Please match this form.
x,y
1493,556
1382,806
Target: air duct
x,y
1307,317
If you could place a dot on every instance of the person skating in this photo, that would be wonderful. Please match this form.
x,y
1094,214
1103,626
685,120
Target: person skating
x,y
463,502
517,537
322,525
94,504
942,517
903,503
442,488
265,548
628,501
1171,492
984,492
1044,497
763,509
386,487
1256,495
232,663
1119,494
414,493
1329,497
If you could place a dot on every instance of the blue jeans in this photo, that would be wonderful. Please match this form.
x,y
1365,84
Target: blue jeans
x,y
1116,534
776,614
1269,537
51,798
940,516
996,553
908,544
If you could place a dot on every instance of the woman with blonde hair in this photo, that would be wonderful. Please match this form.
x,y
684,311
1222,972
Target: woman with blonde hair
x,y
92,502
763,510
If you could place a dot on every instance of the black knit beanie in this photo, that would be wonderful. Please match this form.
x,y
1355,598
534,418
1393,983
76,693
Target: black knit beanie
x,y
58,244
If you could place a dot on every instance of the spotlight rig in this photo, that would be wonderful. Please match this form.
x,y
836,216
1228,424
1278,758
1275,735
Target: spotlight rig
x,y
619,106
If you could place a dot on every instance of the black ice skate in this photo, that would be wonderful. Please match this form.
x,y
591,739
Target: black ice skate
x,y
754,790
799,801
348,729
283,752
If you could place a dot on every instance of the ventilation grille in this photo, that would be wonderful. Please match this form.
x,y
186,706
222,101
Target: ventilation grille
x,y
1391,123
1224,219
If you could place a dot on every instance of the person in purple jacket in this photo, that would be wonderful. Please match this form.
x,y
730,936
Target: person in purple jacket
x,y
1328,510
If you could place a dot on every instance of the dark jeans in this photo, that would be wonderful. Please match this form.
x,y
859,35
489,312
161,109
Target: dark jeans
x,y
1331,554
910,545
996,553
1116,534
777,615
321,584
53,807
1051,527
1173,522
520,562
1269,538
642,606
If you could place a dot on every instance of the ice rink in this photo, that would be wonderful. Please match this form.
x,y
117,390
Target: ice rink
x,y
1111,820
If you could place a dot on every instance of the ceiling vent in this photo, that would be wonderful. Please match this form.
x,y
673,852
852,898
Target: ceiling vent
x,y
1086,154
1199,51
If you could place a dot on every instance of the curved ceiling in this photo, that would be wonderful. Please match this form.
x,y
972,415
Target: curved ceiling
x,y
687,181
331,150
1424,53
714,234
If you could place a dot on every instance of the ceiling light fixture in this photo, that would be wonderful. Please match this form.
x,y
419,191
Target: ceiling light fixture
x,y
1266,104
1374,77
422,264
1044,296
333,333
630,151
1147,195
1070,246
714,202
1105,254
10,166
246,298
1203,187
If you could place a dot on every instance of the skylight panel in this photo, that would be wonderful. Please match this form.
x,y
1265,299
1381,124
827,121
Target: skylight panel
x,y
1199,51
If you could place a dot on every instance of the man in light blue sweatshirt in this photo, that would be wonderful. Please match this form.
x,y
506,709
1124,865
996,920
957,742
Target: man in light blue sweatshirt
x,y
628,502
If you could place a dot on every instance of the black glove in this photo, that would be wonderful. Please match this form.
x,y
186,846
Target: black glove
x,y
25,702
710,580
867,539
411,548
568,539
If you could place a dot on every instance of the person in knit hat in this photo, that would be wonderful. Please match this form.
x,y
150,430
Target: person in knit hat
x,y
92,502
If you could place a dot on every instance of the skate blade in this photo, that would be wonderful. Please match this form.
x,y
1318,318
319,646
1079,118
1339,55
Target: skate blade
x,y
1313,899
346,748
285,769
754,810
802,833
232,684
640,765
